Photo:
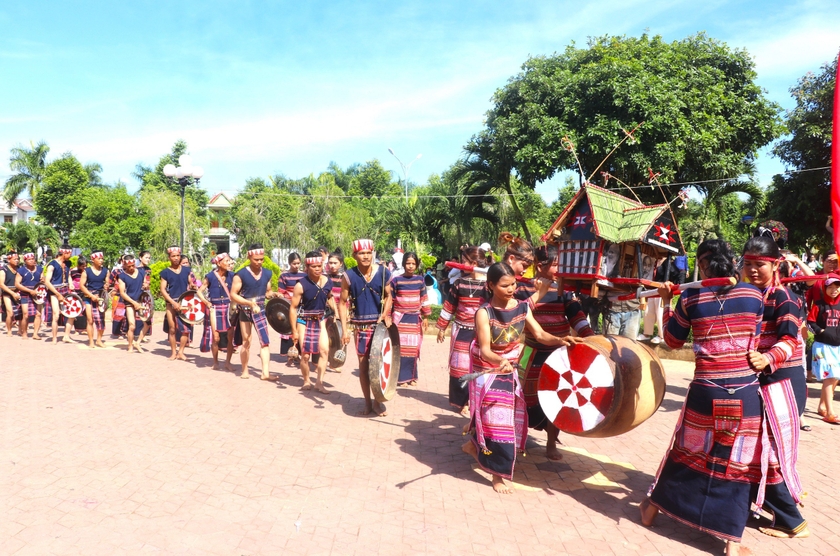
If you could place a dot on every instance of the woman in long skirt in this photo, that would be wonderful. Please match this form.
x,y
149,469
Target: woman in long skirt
x,y
410,312
557,315
783,387
286,285
466,295
498,418
709,475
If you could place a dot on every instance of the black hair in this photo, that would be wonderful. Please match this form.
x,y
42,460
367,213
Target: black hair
x,y
546,254
412,255
338,252
293,256
11,252
255,246
65,247
313,254
322,251
143,254
720,258
184,258
474,256
829,253
516,246
784,269
81,259
497,271
763,246
337,255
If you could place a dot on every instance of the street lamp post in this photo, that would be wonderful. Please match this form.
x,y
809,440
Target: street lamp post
x,y
183,175
405,169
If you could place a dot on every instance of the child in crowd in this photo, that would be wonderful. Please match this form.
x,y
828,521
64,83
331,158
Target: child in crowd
x,y
824,322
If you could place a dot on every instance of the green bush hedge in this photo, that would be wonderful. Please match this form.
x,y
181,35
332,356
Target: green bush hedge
x,y
270,265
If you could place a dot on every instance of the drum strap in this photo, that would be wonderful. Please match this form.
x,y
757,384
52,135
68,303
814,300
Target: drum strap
x,y
223,283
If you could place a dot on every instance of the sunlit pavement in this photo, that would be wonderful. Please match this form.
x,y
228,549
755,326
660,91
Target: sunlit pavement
x,y
105,452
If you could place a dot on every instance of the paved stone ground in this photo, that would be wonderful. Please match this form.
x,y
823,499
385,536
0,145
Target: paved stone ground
x,y
102,452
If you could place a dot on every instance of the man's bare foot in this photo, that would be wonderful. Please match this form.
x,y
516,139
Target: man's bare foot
x,y
181,357
215,366
321,389
771,532
736,549
648,512
138,349
100,344
90,345
229,367
367,411
55,341
552,453
306,386
466,428
500,486
245,375
267,377
69,340
465,411
172,357
413,383
380,409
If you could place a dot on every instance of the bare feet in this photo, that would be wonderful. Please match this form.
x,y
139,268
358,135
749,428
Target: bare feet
x,y
229,367
172,357
138,349
466,428
100,344
367,411
648,512
735,549
552,453
380,409
413,383
469,448
68,340
306,386
769,531
267,377
500,486
465,411
245,375
181,357
321,389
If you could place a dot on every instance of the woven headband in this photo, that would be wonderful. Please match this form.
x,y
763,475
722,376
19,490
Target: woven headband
x,y
362,245
314,260
219,258
65,251
750,257
252,252
128,259
97,255
27,256
174,250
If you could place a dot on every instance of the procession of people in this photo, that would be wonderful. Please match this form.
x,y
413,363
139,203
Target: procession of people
x,y
737,439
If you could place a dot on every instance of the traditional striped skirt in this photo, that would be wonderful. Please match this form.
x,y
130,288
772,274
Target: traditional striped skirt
x,y
363,334
258,320
530,365
459,364
48,310
499,418
713,467
31,306
97,316
311,334
17,312
217,320
411,337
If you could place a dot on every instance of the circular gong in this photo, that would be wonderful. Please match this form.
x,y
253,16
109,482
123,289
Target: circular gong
x,y
384,365
147,305
40,294
72,306
192,309
337,353
277,314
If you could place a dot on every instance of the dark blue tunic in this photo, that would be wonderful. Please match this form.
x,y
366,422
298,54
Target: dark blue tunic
x,y
133,286
366,296
177,283
30,278
215,291
59,275
313,302
93,282
251,287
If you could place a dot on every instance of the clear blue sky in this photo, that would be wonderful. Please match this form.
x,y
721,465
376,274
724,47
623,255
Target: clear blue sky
x,y
257,88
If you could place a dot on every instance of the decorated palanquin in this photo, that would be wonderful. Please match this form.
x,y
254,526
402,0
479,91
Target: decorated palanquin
x,y
603,236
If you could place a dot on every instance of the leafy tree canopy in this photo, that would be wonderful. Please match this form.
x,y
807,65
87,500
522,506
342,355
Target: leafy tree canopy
x,y
153,178
28,237
702,116
802,198
61,198
113,220
28,166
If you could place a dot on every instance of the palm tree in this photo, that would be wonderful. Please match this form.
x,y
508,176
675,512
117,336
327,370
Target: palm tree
x,y
25,236
94,172
28,166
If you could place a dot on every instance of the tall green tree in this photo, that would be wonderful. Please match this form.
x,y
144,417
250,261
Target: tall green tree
x,y
28,166
802,196
164,210
60,200
113,220
152,178
25,237
701,114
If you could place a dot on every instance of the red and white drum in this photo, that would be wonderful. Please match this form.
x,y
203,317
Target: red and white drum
x,y
384,363
192,309
40,294
72,307
147,306
604,386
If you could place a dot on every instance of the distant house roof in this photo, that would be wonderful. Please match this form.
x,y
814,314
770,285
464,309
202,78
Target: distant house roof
x,y
24,204
220,200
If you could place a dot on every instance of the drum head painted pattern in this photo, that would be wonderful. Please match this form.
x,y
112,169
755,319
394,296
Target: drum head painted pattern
x,y
576,388
192,309
40,294
384,367
72,307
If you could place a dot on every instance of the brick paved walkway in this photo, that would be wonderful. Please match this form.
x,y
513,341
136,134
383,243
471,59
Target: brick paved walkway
x,y
109,453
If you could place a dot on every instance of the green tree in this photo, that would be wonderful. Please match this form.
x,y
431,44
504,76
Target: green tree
x,y
61,198
164,210
802,196
26,236
113,220
94,172
152,178
700,112
28,167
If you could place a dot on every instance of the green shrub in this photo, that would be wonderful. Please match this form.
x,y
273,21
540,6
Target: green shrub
x,y
436,309
156,269
428,261
350,262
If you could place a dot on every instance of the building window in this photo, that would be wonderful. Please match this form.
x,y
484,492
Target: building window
x,y
214,224
7,219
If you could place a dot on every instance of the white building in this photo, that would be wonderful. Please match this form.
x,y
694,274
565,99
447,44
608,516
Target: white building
x,y
20,211
224,239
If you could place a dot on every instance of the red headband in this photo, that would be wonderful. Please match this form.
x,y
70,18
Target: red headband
x,y
314,260
751,257
97,255
28,256
362,245
65,251
256,252
174,250
219,258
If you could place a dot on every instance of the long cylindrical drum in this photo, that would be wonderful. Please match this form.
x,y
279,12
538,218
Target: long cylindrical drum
x,y
603,386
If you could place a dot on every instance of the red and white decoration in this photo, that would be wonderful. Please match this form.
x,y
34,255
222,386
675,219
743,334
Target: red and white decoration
x,y
314,260
362,245
385,371
174,250
254,252
576,388
72,307
192,309
40,294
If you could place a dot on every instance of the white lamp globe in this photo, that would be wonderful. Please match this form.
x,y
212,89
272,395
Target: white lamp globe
x,y
169,170
198,172
179,172
187,170
185,160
